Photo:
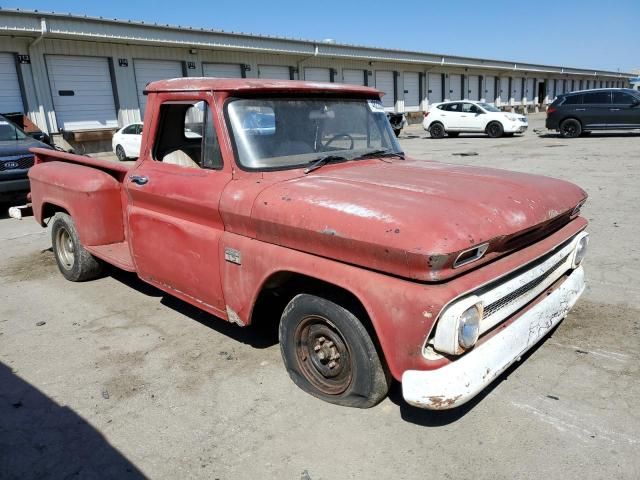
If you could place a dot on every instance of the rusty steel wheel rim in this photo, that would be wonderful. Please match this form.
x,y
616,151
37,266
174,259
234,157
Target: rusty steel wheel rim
x,y
65,248
323,355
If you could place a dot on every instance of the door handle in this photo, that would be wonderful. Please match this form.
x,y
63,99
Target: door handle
x,y
139,179
580,109
614,109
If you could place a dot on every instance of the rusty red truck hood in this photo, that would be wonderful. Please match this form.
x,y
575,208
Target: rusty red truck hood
x,y
411,218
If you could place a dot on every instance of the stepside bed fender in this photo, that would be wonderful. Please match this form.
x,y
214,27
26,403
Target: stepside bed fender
x,y
93,197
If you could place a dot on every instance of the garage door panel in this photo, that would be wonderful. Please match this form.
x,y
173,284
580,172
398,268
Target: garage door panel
x,y
455,87
411,91
353,77
434,91
384,83
148,71
10,95
87,100
473,90
222,70
274,72
315,74
489,89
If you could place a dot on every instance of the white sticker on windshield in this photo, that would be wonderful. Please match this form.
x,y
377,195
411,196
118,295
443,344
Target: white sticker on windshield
x,y
375,106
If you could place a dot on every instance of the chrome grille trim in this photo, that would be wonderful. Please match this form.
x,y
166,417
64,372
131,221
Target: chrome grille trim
x,y
503,300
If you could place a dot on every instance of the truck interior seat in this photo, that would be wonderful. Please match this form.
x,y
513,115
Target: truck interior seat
x,y
180,157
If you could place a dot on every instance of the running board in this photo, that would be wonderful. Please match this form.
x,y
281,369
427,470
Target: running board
x,y
117,254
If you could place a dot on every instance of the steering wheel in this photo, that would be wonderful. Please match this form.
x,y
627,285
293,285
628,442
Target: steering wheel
x,y
337,136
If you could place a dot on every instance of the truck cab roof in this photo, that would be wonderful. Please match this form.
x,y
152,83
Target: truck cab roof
x,y
247,85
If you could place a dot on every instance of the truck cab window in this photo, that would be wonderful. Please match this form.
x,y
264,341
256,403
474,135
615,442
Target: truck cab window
x,y
187,137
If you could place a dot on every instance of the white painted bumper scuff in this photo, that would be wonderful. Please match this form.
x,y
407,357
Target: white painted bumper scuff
x,y
459,381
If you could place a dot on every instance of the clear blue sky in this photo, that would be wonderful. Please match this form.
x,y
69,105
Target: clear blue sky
x,y
587,33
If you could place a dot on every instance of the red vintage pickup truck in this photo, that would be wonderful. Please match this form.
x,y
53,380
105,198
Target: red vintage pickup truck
x,y
250,193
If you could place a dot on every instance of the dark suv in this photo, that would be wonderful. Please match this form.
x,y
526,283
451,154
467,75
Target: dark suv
x,y
576,113
15,161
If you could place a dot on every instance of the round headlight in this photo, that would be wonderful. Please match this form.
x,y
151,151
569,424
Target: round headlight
x,y
469,327
580,251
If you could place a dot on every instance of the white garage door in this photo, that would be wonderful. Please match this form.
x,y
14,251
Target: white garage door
x,y
516,89
503,92
411,91
82,92
10,97
148,71
384,83
530,92
455,87
353,77
489,94
473,90
434,91
274,72
222,70
314,74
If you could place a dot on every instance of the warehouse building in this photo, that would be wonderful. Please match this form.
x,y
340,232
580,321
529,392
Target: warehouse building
x,y
84,77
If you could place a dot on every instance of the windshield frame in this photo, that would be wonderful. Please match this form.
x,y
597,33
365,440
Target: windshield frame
x,y
487,110
19,134
292,96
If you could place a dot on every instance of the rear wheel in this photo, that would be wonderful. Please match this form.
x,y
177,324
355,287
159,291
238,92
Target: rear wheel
x,y
437,130
495,130
570,128
74,261
329,353
120,153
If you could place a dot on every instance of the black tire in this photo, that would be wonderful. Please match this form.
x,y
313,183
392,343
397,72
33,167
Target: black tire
x,y
120,153
74,261
453,134
495,129
329,354
570,128
436,130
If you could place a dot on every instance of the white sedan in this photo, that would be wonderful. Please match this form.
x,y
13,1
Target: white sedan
x,y
453,118
126,141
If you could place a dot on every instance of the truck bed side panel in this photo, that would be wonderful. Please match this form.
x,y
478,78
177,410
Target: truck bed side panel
x,y
91,196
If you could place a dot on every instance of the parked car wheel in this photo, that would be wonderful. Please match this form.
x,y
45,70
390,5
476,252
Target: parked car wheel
x,y
495,130
437,130
120,153
329,353
74,261
570,128
453,134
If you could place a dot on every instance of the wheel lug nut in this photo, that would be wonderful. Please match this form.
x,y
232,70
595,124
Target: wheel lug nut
x,y
336,356
317,347
329,344
321,340
332,364
321,355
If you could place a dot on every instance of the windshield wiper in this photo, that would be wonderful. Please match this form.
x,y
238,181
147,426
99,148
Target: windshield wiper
x,y
380,154
316,164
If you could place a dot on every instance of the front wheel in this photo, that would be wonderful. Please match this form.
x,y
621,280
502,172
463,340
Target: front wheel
x,y
495,130
329,353
74,261
570,128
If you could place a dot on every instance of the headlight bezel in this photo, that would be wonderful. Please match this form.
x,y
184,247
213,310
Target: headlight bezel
x,y
447,335
580,250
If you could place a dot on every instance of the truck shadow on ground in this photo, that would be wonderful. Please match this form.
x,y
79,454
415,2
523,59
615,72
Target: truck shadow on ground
x,y
41,439
441,418
262,333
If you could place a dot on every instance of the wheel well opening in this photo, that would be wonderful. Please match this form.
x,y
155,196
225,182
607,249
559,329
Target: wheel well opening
x,y
49,210
281,287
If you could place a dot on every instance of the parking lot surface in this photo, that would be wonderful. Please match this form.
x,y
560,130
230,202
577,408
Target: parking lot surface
x,y
113,378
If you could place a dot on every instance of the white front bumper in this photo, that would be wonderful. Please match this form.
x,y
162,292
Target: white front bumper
x,y
458,382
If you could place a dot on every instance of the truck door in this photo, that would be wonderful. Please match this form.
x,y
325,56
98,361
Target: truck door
x,y
174,222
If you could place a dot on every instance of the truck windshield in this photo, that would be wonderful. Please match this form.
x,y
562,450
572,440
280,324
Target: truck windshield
x,y
8,131
281,133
